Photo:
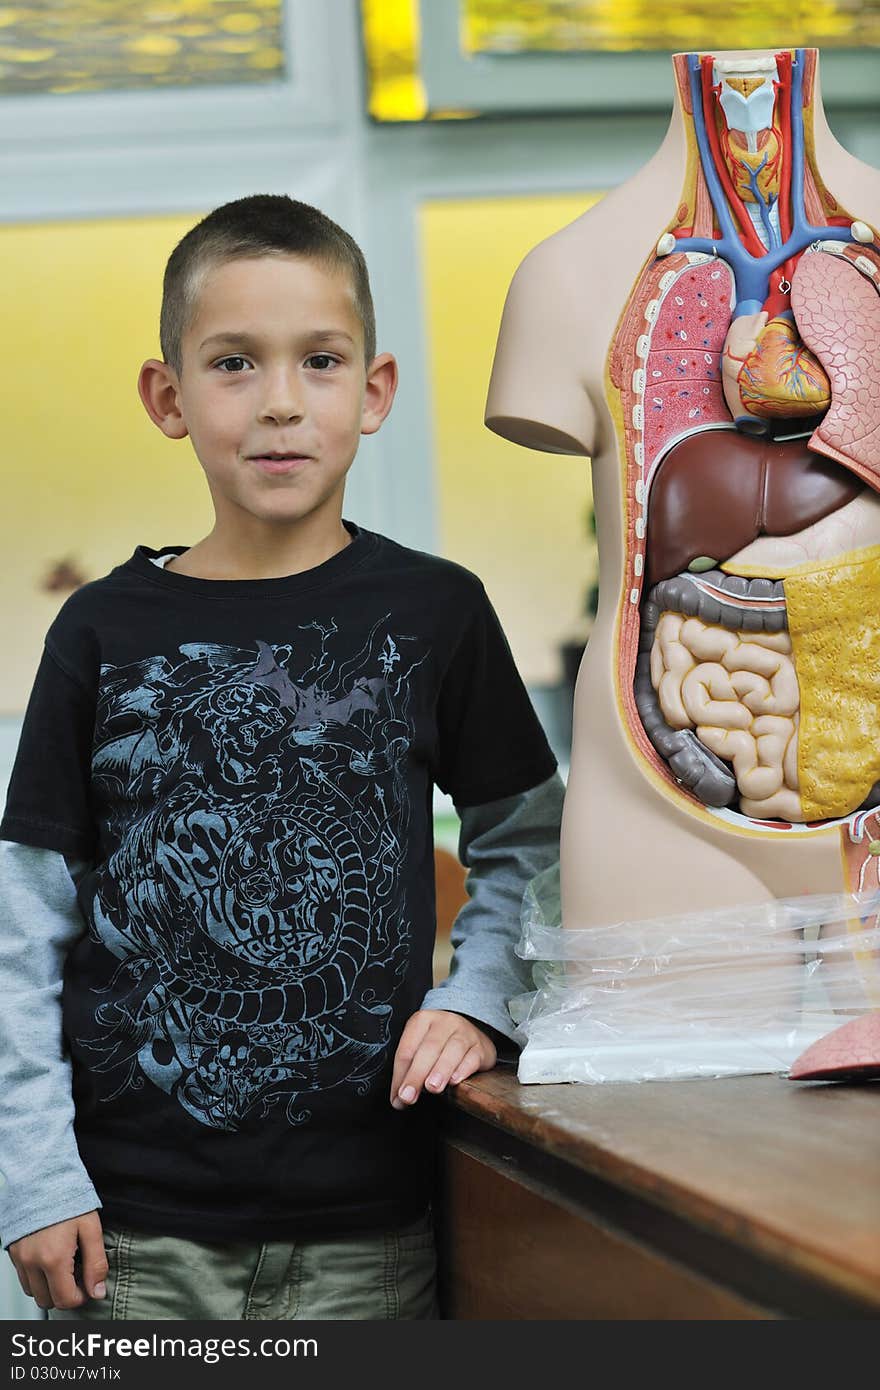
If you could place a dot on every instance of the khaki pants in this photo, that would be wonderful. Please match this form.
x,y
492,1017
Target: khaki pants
x,y
368,1276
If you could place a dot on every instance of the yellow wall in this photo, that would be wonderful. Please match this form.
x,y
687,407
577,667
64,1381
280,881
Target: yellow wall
x,y
515,516
86,475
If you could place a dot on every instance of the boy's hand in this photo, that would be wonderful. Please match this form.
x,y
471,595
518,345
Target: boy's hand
x,y
44,1262
437,1048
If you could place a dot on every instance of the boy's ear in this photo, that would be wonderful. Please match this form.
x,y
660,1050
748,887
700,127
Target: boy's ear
x,y
159,390
381,386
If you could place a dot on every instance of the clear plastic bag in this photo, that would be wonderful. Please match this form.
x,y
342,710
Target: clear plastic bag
x,y
716,993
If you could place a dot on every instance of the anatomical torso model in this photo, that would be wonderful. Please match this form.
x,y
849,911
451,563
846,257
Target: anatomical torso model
x,y
710,335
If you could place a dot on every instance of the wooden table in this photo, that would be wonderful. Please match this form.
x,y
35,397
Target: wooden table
x,y
748,1197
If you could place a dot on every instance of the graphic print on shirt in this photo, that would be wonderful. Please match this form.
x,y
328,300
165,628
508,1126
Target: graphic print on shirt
x,y
254,898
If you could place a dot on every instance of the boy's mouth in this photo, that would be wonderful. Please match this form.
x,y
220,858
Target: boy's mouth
x,y
278,462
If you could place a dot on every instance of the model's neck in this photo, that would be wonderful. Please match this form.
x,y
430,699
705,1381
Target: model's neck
x,y
742,147
675,142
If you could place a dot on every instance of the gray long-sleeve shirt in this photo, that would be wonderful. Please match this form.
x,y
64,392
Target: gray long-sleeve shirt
x,y
503,844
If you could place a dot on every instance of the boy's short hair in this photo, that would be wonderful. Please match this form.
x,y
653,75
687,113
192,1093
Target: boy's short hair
x,y
265,224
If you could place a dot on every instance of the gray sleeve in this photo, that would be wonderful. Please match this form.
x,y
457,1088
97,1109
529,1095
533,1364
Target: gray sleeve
x,y
503,845
42,1178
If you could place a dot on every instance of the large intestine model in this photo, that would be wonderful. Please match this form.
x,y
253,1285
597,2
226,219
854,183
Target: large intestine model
x,y
745,375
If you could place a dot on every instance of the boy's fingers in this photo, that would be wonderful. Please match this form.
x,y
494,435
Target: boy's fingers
x,y
23,1279
39,1290
450,1058
64,1292
94,1256
472,1061
436,1048
407,1048
433,1058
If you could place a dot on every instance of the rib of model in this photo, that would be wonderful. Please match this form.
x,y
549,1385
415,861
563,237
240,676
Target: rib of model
x,y
708,334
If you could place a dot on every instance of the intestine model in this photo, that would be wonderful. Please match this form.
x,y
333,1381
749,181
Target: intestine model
x,y
722,369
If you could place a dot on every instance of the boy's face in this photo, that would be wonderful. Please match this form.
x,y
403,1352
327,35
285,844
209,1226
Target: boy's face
x,y
273,365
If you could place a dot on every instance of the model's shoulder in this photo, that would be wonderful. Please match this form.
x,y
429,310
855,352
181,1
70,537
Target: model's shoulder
x,y
549,260
553,287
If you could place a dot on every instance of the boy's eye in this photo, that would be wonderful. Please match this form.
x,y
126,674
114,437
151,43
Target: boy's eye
x,y
232,365
321,360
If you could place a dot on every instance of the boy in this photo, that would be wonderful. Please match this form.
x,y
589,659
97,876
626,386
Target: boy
x,y
230,748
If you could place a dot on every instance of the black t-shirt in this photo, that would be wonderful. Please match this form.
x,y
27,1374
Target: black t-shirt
x,y
249,765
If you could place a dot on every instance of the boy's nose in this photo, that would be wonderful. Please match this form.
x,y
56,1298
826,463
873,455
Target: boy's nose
x,y
283,400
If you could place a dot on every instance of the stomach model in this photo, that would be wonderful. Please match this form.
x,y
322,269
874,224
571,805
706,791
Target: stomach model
x,y
744,379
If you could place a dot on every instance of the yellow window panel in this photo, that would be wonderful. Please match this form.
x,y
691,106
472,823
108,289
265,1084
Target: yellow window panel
x,y
86,474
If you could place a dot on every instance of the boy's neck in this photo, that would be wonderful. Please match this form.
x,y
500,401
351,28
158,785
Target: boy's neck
x,y
262,550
